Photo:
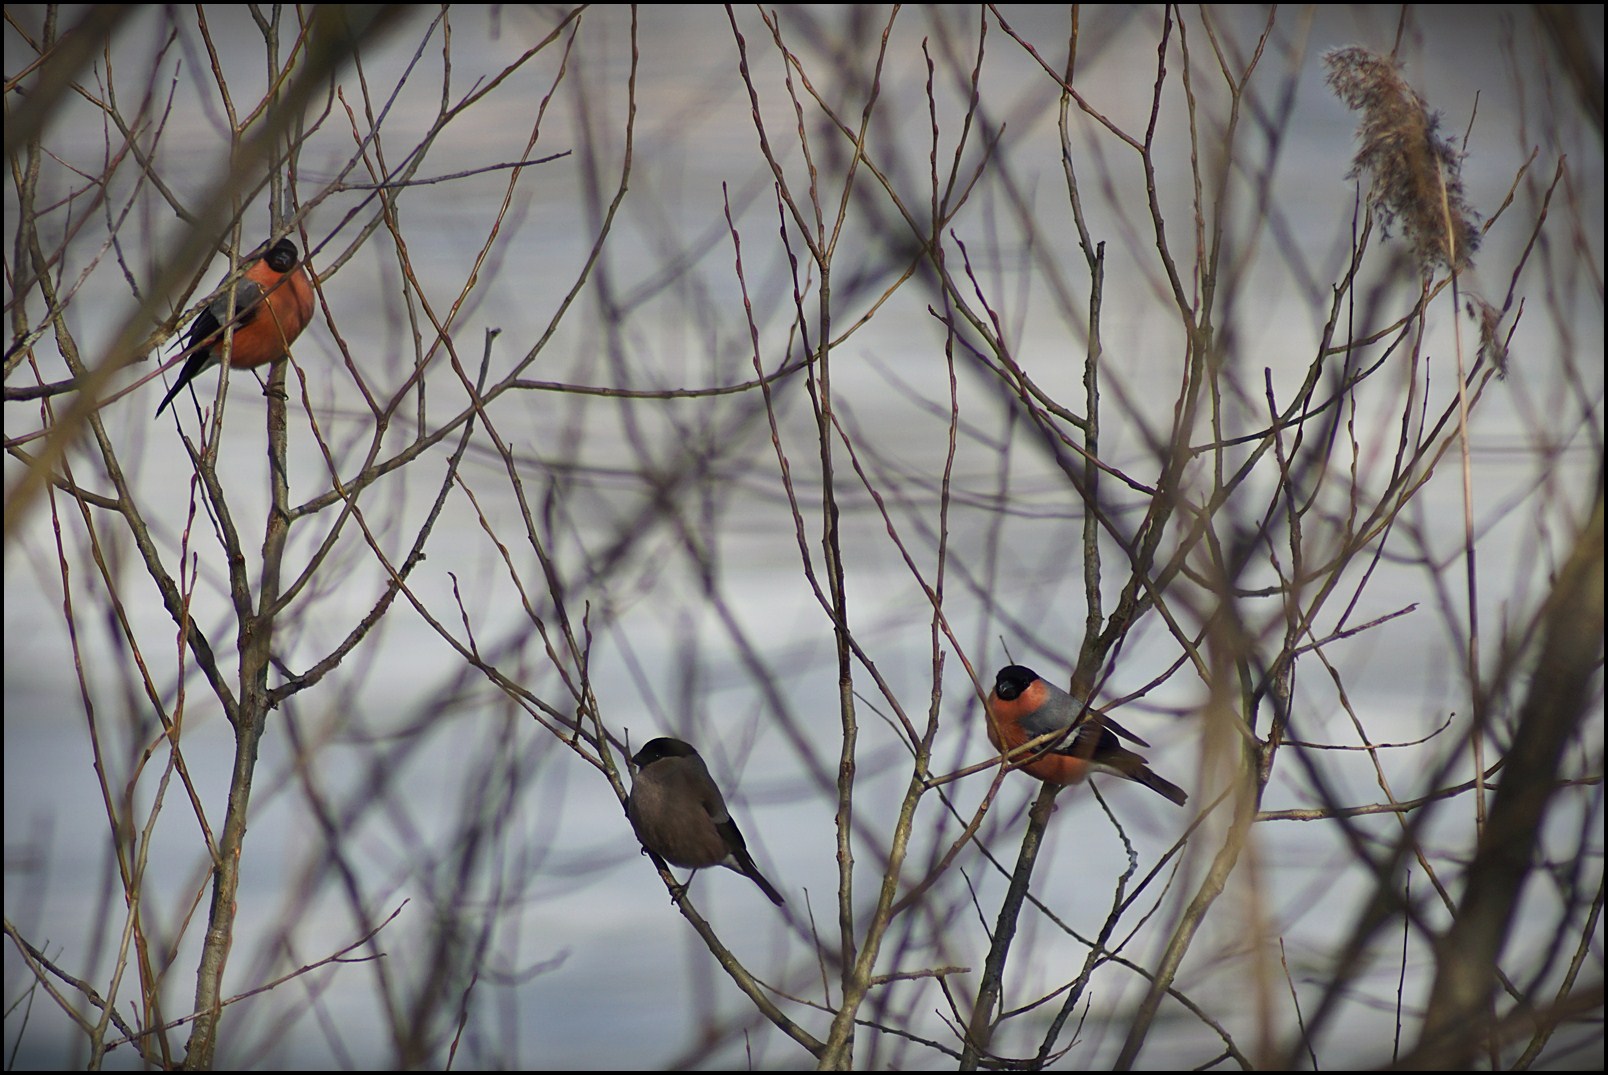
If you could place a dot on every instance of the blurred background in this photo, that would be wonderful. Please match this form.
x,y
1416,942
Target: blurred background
x,y
740,375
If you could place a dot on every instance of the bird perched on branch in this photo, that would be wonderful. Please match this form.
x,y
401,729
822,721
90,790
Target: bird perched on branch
x,y
272,303
1022,706
680,817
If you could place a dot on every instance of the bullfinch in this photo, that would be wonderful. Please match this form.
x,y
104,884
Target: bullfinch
x,y
1022,707
272,304
679,816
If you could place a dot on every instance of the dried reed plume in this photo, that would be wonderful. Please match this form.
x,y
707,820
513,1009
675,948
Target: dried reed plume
x,y
1407,157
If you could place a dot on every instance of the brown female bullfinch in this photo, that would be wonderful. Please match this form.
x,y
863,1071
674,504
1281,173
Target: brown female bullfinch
x,y
1023,707
679,816
272,304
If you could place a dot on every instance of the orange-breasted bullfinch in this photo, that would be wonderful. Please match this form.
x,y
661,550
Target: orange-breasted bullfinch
x,y
679,816
272,304
1022,707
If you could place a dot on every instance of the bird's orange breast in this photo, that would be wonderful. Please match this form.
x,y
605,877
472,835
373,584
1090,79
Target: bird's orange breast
x,y
1006,732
